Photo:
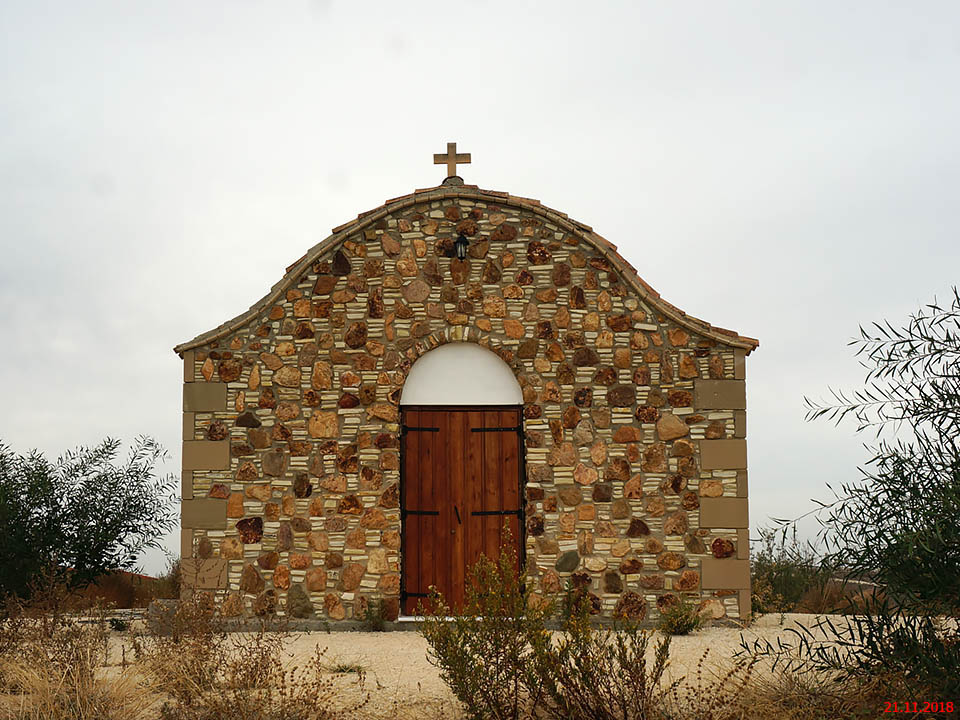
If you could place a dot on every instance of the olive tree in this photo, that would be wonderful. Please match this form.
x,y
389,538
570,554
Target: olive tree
x,y
895,528
82,515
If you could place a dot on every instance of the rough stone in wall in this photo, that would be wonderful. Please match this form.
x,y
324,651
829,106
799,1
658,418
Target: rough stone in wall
x,y
304,495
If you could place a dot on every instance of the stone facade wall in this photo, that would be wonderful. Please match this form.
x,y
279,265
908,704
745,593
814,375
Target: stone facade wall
x,y
634,424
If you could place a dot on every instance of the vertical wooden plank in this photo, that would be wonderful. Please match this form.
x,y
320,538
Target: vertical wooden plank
x,y
481,544
473,479
428,523
506,441
423,503
457,452
498,486
510,478
450,525
491,485
450,461
443,503
411,499
484,472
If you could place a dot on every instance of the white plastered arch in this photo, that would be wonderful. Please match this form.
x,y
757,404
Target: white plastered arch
x,y
461,373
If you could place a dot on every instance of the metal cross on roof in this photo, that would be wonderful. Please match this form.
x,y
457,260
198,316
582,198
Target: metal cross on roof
x,y
451,159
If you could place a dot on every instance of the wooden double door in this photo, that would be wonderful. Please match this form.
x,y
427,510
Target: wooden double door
x,y
461,482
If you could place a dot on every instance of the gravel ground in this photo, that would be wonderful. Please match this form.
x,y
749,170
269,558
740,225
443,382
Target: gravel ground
x,y
398,669
403,684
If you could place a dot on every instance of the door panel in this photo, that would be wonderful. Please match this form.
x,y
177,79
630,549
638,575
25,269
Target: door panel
x,y
463,466
473,476
411,500
435,568
510,489
490,481
456,464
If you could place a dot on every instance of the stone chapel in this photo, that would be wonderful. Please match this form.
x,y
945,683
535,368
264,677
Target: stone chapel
x,y
452,363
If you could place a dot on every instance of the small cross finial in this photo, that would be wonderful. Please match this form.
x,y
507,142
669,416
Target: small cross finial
x,y
451,159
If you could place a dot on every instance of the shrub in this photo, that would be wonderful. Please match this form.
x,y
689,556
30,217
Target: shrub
x,y
787,576
809,696
168,584
782,572
599,672
185,651
41,632
268,691
763,599
50,692
344,667
681,618
714,695
210,674
500,661
483,651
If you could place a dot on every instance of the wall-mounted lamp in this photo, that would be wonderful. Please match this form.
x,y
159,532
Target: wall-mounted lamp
x,y
460,246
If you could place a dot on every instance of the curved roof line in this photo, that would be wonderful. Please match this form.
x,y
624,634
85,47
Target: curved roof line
x,y
444,192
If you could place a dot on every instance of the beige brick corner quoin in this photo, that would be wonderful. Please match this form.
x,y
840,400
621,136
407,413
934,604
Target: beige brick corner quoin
x,y
634,415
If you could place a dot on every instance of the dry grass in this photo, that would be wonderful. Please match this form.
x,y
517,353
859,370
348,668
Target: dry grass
x,y
209,674
55,667
710,694
339,666
185,652
815,696
51,693
269,692
839,597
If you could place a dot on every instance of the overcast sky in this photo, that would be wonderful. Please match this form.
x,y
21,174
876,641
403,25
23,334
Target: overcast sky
x,y
786,169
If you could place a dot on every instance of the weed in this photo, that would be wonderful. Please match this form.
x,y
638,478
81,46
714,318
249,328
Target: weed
x,y
373,618
299,693
118,624
483,651
186,650
345,667
211,674
52,662
680,618
711,695
52,692
601,673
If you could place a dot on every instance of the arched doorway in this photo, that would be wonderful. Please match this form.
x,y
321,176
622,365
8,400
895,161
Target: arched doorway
x,y
462,468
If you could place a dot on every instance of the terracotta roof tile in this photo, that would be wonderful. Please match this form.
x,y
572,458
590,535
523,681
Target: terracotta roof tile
x,y
292,265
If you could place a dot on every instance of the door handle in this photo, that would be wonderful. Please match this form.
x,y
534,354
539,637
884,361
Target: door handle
x,y
457,511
